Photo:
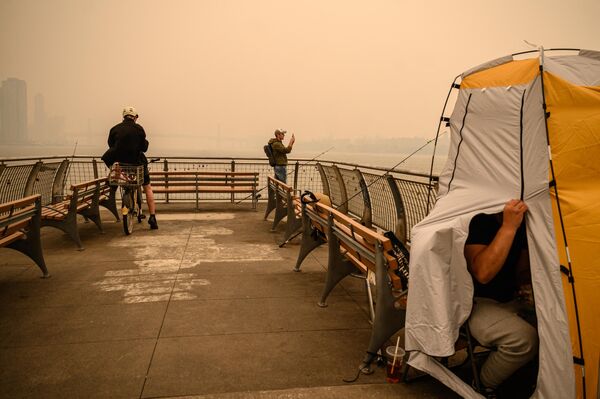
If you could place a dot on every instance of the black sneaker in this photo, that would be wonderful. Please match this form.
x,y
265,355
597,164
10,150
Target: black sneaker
x,y
152,222
488,393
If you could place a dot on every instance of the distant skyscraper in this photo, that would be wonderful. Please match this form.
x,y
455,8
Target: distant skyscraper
x,y
13,111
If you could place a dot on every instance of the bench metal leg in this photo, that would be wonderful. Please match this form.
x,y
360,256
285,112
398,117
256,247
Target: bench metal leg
x,y
69,226
32,247
308,243
255,196
338,267
280,211
370,300
388,319
270,201
293,225
110,203
94,216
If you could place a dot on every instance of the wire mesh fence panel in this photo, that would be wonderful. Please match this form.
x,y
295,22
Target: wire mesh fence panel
x,y
81,170
356,201
309,178
13,181
383,208
414,196
44,182
335,189
103,170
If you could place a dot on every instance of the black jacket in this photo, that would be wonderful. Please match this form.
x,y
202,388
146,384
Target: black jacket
x,y
127,144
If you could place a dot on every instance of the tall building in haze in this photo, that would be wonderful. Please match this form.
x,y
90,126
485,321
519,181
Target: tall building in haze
x,y
13,111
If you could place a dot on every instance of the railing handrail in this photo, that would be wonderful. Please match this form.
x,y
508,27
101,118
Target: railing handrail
x,y
228,160
389,199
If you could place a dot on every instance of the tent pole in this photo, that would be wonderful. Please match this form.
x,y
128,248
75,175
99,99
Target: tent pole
x,y
437,135
579,361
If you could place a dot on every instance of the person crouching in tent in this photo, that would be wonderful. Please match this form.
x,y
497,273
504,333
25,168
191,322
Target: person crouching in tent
x,y
497,258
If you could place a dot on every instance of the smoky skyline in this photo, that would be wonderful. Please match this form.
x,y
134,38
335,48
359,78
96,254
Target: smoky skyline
x,y
214,75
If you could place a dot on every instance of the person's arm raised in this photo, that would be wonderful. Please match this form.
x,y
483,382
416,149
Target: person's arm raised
x,y
485,261
291,143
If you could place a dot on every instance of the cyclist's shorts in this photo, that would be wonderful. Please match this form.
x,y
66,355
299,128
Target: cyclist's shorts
x,y
146,176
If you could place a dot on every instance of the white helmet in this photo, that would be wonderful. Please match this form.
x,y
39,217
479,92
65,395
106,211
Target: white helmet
x,y
129,111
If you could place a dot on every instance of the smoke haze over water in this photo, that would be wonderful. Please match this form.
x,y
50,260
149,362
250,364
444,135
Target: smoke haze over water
x,y
218,77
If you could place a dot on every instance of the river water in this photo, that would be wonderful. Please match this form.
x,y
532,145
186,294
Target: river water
x,y
418,162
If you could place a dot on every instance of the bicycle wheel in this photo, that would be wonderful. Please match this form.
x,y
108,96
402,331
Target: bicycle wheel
x,y
128,211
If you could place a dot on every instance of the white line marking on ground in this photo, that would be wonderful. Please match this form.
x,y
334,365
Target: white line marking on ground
x,y
157,280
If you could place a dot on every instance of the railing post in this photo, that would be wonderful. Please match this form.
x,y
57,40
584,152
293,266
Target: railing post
x,y
95,168
401,226
367,216
197,193
58,185
324,180
32,178
344,205
296,169
166,169
232,180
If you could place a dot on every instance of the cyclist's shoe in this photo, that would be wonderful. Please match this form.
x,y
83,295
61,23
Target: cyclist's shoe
x,y
152,222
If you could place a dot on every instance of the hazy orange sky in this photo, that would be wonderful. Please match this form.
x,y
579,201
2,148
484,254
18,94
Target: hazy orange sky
x,y
207,69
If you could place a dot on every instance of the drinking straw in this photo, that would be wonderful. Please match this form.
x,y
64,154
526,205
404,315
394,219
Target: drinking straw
x,y
395,354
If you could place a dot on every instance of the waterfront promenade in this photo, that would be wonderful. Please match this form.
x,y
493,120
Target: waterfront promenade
x,y
205,307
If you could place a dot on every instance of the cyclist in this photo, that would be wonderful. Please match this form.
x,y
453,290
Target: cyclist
x,y
127,142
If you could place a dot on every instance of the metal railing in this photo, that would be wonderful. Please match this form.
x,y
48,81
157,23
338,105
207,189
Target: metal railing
x,y
387,199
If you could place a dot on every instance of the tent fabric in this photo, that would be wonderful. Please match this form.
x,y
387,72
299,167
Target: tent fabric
x,y
574,135
499,151
488,65
510,73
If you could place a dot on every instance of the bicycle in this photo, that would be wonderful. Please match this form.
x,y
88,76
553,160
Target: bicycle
x,y
129,178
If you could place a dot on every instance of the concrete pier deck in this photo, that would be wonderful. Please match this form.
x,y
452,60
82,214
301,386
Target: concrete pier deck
x,y
205,307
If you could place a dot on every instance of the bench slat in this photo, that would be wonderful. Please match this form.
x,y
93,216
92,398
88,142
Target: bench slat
x,y
18,203
14,227
201,183
188,173
192,190
18,213
11,238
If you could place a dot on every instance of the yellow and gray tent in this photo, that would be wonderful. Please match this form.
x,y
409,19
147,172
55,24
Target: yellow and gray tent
x,y
521,128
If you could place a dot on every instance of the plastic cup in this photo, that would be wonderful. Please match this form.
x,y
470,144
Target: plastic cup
x,y
394,364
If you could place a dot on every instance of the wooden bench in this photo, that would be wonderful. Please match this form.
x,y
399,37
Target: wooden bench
x,y
355,249
281,198
84,200
197,183
20,223
314,228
